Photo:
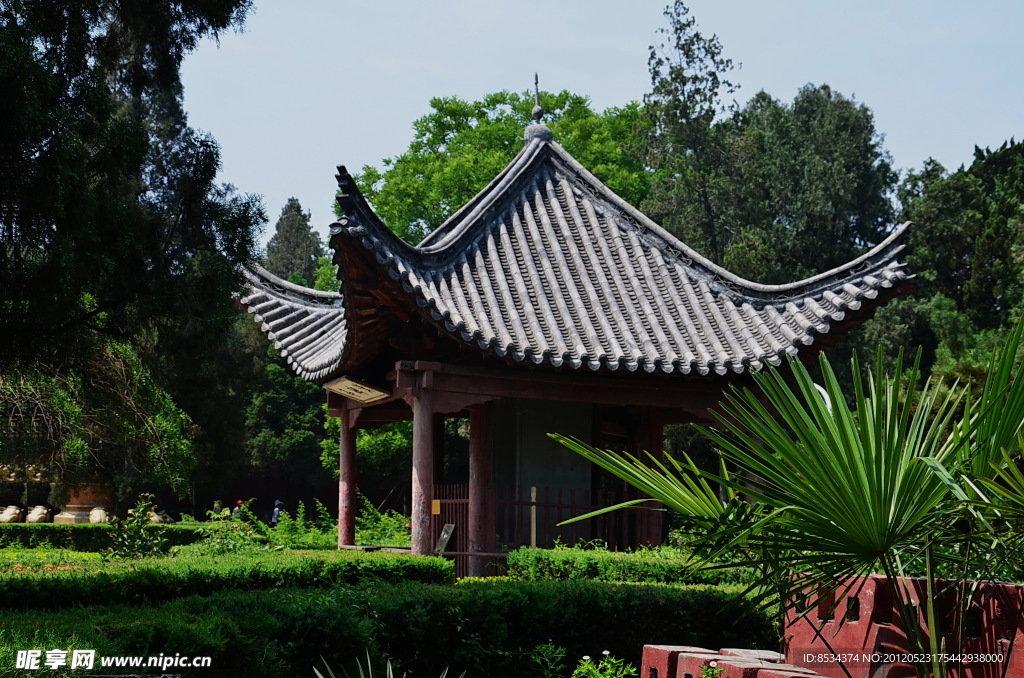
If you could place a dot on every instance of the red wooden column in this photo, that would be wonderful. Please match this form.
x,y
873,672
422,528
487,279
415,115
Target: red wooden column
x,y
481,521
422,463
347,479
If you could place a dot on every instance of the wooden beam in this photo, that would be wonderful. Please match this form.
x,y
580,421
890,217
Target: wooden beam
x,y
466,382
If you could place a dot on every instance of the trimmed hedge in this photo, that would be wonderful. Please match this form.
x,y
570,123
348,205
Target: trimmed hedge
x,y
530,564
91,537
486,629
160,579
490,629
260,634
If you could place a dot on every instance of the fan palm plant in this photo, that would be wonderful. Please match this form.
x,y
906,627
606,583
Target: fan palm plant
x,y
838,491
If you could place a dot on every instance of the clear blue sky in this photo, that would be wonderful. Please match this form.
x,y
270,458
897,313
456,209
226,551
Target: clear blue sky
x,y
311,84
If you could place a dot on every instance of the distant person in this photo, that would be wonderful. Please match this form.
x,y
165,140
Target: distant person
x,y
238,507
275,517
218,509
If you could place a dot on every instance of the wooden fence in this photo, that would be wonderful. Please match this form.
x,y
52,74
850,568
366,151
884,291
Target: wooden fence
x,y
529,516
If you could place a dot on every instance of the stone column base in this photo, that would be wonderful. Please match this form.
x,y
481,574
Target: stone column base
x,y
73,514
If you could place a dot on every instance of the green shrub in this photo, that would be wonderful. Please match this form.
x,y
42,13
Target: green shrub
x,y
301,532
14,559
158,579
492,629
220,537
483,629
376,528
83,536
134,536
607,666
530,564
245,533
253,634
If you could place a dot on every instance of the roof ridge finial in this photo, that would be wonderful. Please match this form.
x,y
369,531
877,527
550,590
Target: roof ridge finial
x,y
537,130
538,112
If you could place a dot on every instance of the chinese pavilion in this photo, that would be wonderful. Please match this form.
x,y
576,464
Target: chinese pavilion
x,y
545,304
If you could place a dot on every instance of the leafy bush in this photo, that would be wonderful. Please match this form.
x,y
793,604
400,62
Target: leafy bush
x,y
492,629
224,532
134,537
608,666
388,671
374,528
262,634
550,661
17,559
301,532
245,533
530,564
219,537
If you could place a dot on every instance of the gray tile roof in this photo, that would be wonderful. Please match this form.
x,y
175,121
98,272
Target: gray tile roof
x,y
308,326
547,266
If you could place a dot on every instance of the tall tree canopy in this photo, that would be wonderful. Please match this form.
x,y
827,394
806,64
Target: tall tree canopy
x,y
295,249
118,249
773,192
965,247
807,188
682,143
460,146
969,238
105,189
107,421
284,415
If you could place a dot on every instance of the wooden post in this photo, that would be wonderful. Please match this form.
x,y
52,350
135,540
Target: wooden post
x,y
347,480
422,464
481,522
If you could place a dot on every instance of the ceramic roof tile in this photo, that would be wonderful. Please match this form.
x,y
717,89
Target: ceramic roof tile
x,y
546,265
308,326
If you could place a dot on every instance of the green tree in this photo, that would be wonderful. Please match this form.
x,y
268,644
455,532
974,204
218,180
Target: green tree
x,y
212,367
460,146
284,416
294,250
773,192
325,278
682,144
383,462
809,188
105,188
113,230
965,249
285,423
967,241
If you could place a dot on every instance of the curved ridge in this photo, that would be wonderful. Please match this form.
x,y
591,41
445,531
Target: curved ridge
x,y
308,326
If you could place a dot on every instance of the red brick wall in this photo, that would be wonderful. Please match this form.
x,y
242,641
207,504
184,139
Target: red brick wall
x,y
864,629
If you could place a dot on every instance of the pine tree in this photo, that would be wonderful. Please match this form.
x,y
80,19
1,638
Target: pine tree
x,y
294,250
